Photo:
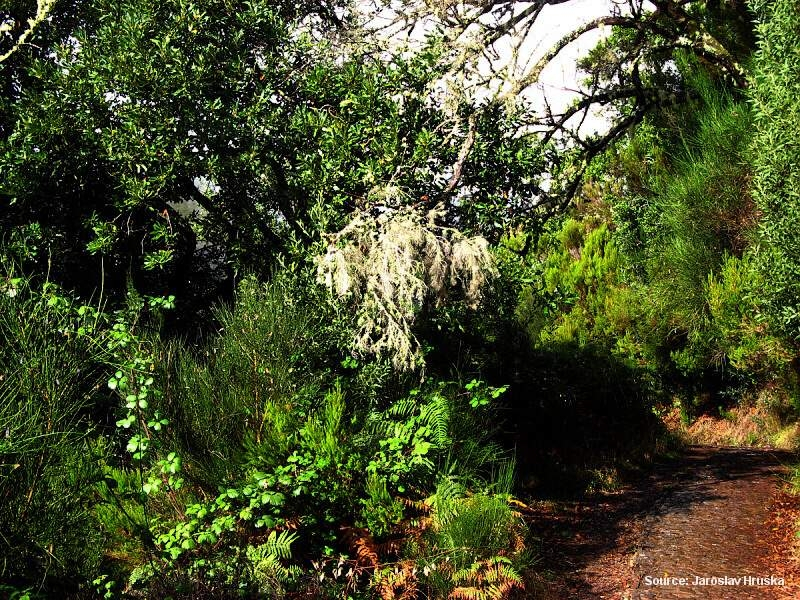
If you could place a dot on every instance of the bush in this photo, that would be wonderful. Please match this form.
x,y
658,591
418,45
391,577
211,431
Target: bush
x,y
48,471
775,86
278,432
251,385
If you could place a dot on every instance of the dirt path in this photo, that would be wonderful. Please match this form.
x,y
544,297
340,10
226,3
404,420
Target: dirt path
x,y
667,536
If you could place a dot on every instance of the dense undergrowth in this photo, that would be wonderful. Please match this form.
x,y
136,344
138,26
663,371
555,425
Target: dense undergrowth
x,y
265,463
366,413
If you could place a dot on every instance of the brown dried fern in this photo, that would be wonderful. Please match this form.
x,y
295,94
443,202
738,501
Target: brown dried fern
x,y
398,582
490,579
362,545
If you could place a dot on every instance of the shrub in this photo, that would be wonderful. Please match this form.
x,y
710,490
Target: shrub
x,y
774,89
253,382
48,375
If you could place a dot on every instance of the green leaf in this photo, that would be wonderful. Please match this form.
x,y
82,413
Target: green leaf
x,y
422,448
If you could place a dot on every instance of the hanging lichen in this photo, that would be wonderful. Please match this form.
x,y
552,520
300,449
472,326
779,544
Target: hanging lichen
x,y
389,263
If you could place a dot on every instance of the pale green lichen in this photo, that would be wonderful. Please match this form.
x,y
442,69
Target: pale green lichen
x,y
389,265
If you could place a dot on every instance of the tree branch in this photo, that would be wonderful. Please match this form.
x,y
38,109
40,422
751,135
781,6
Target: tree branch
x,y
43,8
533,75
463,154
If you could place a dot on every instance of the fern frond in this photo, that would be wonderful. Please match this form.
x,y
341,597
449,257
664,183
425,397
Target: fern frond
x,y
280,544
448,489
517,541
521,505
264,563
445,500
412,528
389,547
382,424
436,415
361,543
401,579
403,408
503,590
292,523
466,574
423,506
492,579
462,593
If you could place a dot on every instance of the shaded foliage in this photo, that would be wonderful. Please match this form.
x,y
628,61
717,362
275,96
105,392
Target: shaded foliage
x,y
775,151
298,448
49,536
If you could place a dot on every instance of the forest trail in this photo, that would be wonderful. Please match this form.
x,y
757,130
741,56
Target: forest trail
x,y
710,513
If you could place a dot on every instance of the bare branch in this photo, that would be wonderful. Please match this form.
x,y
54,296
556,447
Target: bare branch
x,y
533,75
491,56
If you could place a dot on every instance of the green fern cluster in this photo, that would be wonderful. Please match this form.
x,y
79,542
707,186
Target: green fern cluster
x,y
266,564
491,579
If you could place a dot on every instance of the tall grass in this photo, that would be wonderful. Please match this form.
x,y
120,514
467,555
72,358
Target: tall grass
x,y
47,471
243,389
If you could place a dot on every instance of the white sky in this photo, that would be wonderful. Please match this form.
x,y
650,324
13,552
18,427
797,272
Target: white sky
x,y
560,78
559,81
